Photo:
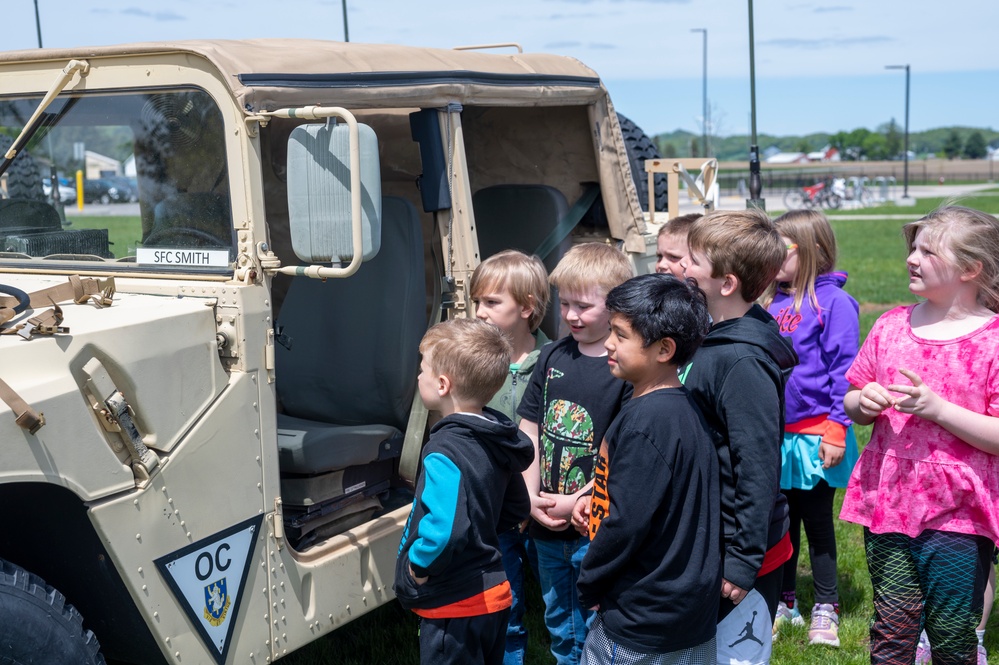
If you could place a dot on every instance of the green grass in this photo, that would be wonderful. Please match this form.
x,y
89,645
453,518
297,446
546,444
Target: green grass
x,y
123,231
985,201
873,252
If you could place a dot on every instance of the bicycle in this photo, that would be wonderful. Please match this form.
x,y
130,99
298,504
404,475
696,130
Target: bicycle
x,y
818,195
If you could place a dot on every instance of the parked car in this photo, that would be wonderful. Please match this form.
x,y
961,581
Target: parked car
x,y
104,190
67,193
127,187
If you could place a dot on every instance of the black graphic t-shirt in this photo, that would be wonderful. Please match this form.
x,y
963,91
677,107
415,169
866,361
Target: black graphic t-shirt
x,y
573,398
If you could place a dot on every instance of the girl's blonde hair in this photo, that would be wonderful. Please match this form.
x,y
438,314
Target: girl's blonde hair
x,y
812,233
972,237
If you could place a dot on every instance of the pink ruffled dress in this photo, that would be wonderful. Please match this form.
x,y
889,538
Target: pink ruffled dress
x,y
915,475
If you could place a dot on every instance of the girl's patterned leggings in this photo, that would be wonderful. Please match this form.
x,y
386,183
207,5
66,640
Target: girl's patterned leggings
x,y
934,581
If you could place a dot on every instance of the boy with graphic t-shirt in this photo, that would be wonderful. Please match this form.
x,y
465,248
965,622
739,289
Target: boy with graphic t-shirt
x,y
568,405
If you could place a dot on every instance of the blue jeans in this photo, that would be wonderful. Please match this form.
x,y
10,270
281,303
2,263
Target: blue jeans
x,y
517,550
558,571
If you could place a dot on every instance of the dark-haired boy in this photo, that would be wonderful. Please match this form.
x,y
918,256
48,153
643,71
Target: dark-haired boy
x,y
738,377
652,570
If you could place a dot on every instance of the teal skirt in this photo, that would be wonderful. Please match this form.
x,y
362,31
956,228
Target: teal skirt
x,y
801,468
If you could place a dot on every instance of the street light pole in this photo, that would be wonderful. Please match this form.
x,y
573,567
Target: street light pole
x,y
346,33
38,24
704,107
755,179
905,157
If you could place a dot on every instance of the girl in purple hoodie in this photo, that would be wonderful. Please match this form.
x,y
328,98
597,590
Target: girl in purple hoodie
x,y
819,449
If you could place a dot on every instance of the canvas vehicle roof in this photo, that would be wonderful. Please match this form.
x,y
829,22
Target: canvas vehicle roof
x,y
267,74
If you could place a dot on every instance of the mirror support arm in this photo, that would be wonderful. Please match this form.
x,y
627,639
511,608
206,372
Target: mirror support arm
x,y
357,235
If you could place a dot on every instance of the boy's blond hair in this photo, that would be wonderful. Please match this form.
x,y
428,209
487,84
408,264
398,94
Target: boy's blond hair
x,y
744,243
472,353
591,264
523,276
679,225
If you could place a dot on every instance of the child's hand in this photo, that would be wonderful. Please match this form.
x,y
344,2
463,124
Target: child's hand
x,y
540,505
418,580
830,454
581,514
562,505
919,400
732,592
874,399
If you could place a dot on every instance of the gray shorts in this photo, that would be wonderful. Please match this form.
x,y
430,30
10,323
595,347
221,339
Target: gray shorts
x,y
600,649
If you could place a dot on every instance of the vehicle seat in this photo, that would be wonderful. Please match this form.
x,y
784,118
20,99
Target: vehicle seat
x,y
347,382
26,215
521,217
192,219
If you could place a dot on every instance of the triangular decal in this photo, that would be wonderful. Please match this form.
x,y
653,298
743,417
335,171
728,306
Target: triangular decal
x,y
208,576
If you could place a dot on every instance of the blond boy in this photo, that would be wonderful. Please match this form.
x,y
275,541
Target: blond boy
x,y
510,290
569,403
449,570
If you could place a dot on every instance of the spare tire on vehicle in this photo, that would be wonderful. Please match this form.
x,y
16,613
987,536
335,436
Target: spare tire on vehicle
x,y
24,180
640,148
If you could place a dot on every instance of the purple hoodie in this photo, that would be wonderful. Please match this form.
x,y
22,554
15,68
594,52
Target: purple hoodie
x,y
826,342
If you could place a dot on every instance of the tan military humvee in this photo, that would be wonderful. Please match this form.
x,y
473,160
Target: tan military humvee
x,y
209,421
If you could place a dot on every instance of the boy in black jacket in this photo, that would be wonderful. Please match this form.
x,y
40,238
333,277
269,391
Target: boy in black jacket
x,y
738,377
652,570
449,570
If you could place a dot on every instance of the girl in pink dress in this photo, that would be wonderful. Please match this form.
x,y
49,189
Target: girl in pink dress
x,y
926,486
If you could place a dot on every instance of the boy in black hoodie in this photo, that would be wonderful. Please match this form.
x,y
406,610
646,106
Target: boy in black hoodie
x,y
653,567
738,377
449,570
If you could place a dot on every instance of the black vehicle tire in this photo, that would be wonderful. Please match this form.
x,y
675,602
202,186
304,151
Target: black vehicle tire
x,y
24,180
794,199
640,148
38,626
105,199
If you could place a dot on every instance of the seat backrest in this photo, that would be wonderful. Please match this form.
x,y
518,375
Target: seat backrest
x,y
521,217
204,212
28,215
354,352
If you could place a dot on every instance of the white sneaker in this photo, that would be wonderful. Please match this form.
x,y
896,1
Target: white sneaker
x,y
825,625
787,616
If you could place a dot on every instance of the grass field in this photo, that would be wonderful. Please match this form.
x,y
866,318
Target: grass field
x,y
873,252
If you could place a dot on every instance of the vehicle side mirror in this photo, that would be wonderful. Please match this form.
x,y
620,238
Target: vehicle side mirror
x,y
319,192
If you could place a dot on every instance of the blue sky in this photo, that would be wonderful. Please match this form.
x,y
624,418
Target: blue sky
x,y
819,65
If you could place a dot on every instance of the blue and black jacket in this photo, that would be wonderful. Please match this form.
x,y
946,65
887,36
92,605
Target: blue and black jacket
x,y
469,490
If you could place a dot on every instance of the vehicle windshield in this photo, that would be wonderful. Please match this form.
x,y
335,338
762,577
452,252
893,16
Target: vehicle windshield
x,y
136,181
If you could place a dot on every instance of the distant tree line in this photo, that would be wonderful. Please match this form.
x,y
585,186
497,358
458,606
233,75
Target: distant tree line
x,y
884,143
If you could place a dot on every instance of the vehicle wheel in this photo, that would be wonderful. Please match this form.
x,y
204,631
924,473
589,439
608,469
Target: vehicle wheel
x,y
105,199
833,202
24,180
794,200
640,148
37,625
